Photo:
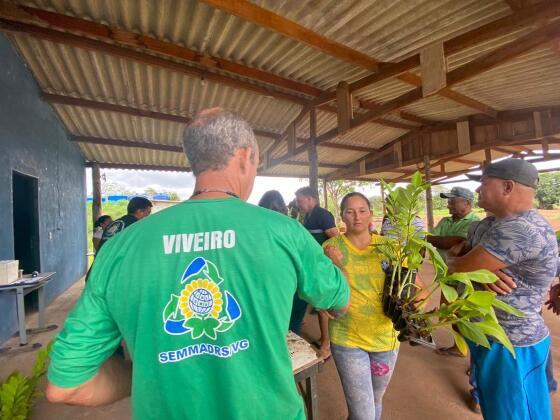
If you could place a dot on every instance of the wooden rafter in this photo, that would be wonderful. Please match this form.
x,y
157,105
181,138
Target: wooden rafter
x,y
104,106
141,57
141,167
126,143
127,38
166,148
274,22
118,43
469,70
524,134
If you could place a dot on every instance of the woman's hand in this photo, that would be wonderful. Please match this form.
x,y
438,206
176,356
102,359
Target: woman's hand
x,y
335,255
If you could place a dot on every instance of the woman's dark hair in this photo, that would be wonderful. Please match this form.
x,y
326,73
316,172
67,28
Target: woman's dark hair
x,y
273,200
101,219
350,195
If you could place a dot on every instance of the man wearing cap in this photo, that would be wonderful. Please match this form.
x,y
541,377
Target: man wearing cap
x,y
453,229
518,241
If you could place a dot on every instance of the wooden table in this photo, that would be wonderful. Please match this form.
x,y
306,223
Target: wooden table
x,y
21,288
305,365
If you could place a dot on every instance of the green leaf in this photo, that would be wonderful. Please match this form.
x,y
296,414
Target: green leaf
x,y
491,327
482,298
171,308
224,326
473,333
213,273
507,308
460,342
449,292
416,179
482,276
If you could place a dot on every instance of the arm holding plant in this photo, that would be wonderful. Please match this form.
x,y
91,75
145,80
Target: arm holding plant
x,y
478,258
444,242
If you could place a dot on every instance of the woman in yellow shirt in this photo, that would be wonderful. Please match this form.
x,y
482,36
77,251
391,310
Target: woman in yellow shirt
x,y
364,343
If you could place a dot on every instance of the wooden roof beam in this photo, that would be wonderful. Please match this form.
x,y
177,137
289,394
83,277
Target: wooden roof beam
x,y
519,19
141,167
475,145
16,15
469,70
83,42
274,22
137,112
126,143
153,45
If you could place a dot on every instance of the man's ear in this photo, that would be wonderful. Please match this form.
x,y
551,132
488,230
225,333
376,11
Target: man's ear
x,y
244,156
509,186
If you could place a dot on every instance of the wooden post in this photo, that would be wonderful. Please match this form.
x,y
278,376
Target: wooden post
x,y
313,168
382,198
429,205
312,152
344,104
325,195
96,208
487,157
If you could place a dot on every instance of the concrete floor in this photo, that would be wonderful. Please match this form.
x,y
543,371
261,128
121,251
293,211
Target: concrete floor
x,y
424,385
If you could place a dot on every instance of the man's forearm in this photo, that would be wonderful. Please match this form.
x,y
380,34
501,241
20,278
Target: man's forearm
x,y
444,242
110,384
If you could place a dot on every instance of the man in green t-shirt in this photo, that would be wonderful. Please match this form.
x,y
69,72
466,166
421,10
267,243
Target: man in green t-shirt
x,y
202,293
453,229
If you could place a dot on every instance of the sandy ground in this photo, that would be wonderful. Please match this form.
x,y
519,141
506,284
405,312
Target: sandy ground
x,y
424,385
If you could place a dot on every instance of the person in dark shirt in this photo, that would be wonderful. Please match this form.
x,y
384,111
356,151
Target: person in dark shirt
x,y
321,224
138,208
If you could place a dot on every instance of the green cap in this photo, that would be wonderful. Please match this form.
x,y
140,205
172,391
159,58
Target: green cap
x,y
517,170
459,192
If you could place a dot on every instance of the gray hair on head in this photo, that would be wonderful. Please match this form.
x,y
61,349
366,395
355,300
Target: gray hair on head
x,y
212,138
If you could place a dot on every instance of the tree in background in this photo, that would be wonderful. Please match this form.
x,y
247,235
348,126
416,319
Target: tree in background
x,y
548,192
335,191
173,196
114,188
150,192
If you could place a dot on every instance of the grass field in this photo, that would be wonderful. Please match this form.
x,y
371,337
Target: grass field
x,y
118,209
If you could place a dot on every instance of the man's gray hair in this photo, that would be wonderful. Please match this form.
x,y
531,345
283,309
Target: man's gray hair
x,y
212,138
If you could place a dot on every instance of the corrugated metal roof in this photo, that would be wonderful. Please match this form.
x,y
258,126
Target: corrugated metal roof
x,y
207,30
386,30
86,74
382,29
531,80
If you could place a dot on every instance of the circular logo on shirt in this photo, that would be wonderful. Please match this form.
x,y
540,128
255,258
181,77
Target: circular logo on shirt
x,y
202,308
113,228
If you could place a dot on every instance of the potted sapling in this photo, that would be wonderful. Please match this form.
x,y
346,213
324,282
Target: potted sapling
x,y
469,307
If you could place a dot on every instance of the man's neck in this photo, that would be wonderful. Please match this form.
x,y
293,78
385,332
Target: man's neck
x,y
215,184
456,217
511,212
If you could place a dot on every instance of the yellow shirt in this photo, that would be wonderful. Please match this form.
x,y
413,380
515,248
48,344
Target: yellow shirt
x,y
364,326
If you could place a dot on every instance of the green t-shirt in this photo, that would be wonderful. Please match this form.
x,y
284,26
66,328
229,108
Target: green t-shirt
x,y
449,227
202,294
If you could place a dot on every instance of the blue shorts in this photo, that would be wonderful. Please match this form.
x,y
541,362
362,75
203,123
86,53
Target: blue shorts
x,y
512,389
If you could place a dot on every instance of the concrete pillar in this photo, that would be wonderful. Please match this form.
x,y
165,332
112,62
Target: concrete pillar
x,y
96,208
429,204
